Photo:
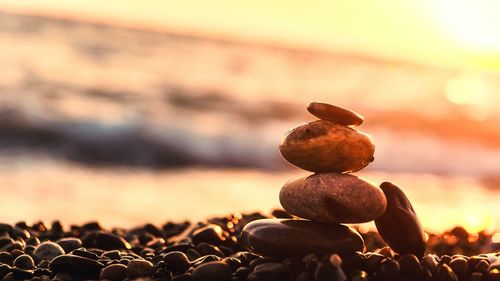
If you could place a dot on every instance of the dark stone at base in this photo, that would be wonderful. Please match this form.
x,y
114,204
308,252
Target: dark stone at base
x,y
284,237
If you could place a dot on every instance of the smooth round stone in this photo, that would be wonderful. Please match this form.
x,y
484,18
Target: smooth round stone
x,y
399,226
176,261
210,233
139,268
24,262
76,265
114,272
323,146
286,237
215,270
325,111
69,244
48,251
333,197
105,241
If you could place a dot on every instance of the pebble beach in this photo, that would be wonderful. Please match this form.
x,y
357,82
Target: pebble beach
x,y
174,157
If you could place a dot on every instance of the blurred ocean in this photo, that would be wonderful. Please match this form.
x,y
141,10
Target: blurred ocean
x,y
112,123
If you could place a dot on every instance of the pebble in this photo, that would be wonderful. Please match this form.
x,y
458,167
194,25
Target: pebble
x,y
378,264
339,115
210,233
176,261
271,271
330,270
389,270
76,266
114,272
459,267
69,244
105,241
48,251
399,226
333,198
323,146
24,262
410,267
139,268
4,270
211,271
285,237
445,273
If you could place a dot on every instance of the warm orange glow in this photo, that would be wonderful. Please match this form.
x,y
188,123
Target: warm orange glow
x,y
467,90
465,34
496,238
474,24
477,222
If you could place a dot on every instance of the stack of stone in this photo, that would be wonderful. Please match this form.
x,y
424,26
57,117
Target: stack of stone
x,y
332,148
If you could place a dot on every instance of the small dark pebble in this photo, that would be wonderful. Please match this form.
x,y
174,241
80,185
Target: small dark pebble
x,y
445,273
212,271
211,233
105,241
40,253
48,251
114,272
176,261
24,262
76,266
139,268
410,267
69,244
330,270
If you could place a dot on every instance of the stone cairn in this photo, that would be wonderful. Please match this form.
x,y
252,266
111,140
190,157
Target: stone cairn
x,y
332,148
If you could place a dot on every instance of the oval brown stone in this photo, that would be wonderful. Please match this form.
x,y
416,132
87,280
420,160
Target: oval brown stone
x,y
289,237
325,111
324,146
399,226
333,198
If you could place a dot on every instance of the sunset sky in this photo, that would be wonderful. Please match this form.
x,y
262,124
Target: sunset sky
x,y
451,33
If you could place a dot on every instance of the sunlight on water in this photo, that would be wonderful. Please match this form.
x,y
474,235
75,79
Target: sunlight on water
x,y
49,190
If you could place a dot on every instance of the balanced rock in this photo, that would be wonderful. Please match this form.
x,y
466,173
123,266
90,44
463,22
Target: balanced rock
x,y
289,237
333,198
325,111
324,146
399,226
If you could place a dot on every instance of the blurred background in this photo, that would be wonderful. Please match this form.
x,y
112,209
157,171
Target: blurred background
x,y
146,111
